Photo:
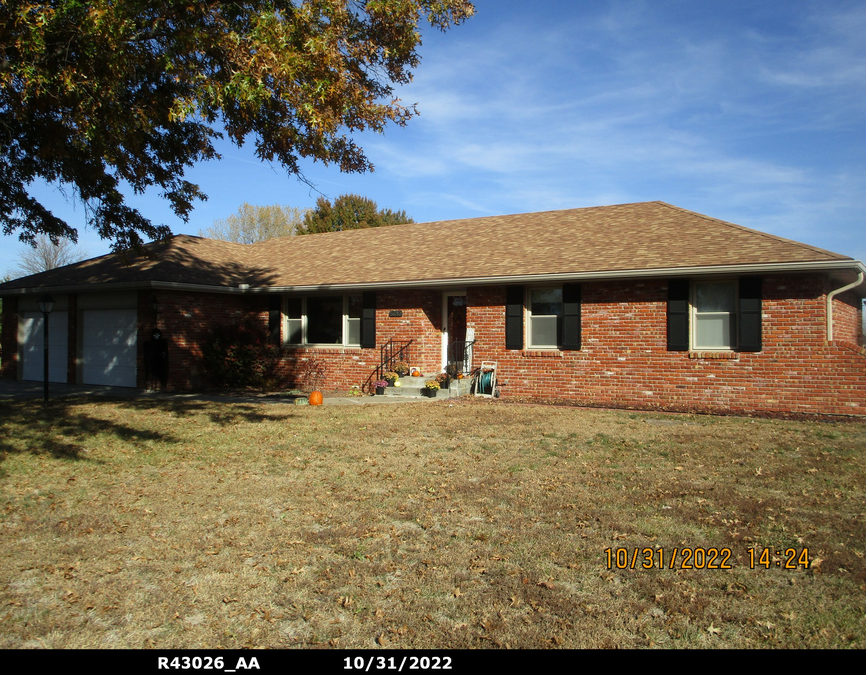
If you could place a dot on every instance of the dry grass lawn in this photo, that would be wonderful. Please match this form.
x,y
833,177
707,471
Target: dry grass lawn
x,y
134,524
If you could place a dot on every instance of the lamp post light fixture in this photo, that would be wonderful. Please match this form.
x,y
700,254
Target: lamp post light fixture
x,y
46,306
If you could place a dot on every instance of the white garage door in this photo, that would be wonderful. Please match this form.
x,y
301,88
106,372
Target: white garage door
x,y
108,349
31,336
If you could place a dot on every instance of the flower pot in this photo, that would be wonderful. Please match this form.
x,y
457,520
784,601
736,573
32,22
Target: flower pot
x,y
380,391
430,393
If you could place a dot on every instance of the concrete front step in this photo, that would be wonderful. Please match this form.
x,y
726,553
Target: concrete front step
x,y
413,386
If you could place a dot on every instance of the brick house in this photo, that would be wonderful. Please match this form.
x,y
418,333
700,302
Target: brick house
x,y
641,305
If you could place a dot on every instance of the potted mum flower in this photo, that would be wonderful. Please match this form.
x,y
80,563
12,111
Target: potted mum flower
x,y
430,388
380,387
390,377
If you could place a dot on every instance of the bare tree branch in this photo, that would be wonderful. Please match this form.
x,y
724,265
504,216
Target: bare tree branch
x,y
252,224
44,256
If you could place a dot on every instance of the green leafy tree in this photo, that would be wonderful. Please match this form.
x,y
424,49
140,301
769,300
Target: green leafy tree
x,y
349,212
99,95
256,223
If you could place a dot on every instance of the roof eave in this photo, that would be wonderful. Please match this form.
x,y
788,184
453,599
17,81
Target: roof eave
x,y
849,265
670,272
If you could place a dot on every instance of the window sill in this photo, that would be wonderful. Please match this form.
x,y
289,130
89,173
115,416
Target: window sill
x,y
323,348
542,353
702,354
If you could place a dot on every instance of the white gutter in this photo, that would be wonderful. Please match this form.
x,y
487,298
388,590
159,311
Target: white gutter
x,y
833,294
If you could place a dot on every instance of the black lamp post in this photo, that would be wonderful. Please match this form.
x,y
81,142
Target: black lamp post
x,y
46,306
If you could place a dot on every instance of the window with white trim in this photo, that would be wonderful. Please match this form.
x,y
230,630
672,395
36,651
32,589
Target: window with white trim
x,y
714,315
544,318
323,320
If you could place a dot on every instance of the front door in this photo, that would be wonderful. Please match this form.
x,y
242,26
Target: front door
x,y
454,322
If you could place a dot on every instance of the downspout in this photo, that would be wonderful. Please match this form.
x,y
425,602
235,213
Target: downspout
x,y
833,294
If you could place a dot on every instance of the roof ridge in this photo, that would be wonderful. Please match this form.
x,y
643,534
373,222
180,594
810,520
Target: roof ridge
x,y
454,220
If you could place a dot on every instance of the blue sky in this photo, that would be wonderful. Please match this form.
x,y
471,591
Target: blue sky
x,y
753,112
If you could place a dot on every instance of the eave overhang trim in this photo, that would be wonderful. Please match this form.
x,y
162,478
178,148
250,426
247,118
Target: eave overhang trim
x,y
853,266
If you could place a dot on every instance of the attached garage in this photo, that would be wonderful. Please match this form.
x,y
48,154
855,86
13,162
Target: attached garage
x,y
31,346
108,339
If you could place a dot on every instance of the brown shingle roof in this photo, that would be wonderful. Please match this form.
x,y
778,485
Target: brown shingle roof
x,y
624,238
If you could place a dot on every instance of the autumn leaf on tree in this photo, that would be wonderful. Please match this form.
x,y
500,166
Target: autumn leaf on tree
x,y
98,96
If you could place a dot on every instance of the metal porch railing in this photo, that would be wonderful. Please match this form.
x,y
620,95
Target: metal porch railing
x,y
390,353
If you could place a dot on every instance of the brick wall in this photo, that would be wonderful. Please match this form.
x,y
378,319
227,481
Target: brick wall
x,y
9,340
341,368
72,339
186,321
624,360
848,319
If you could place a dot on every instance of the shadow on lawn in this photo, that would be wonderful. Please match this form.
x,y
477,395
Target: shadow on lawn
x,y
30,427
222,413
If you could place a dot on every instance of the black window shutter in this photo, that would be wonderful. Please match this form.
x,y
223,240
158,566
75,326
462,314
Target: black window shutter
x,y
275,317
368,320
678,315
571,316
514,317
750,314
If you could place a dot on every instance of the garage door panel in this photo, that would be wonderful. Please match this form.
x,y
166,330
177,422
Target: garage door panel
x,y
31,336
109,347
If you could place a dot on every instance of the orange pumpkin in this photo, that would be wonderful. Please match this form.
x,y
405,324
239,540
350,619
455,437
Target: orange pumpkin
x,y
316,398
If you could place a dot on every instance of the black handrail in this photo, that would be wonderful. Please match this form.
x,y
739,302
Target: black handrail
x,y
390,353
459,357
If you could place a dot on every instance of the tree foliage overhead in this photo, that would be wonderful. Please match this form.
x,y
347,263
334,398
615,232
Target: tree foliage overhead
x,y
97,95
349,212
252,224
